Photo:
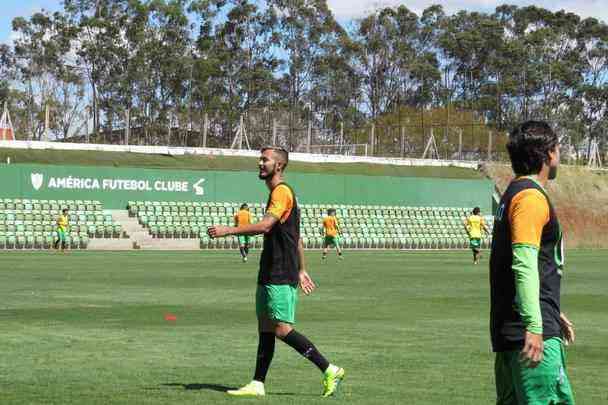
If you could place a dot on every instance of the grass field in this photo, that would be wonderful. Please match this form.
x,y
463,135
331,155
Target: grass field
x,y
410,328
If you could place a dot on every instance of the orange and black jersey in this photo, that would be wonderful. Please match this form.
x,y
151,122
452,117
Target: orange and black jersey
x,y
280,261
525,216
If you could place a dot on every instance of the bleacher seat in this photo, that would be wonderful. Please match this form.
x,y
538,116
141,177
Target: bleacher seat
x,y
31,224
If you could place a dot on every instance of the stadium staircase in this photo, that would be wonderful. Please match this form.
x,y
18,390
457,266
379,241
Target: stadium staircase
x,y
141,238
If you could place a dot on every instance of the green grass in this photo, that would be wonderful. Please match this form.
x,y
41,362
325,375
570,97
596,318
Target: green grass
x,y
410,328
125,159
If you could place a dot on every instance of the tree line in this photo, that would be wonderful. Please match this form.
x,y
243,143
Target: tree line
x,y
158,66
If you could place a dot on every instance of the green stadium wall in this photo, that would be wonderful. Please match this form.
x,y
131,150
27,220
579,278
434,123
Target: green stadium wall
x,y
114,187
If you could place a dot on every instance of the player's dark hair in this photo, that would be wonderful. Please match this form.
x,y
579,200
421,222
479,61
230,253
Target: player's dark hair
x,y
244,206
64,210
529,146
279,151
476,211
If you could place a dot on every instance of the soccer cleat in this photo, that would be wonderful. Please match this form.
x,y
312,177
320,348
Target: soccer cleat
x,y
253,389
331,381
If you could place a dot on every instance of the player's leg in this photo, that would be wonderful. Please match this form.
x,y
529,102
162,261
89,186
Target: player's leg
x,y
266,346
548,382
282,310
57,240
325,248
338,247
241,240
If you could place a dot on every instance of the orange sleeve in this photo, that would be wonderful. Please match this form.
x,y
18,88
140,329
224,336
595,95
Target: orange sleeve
x,y
528,214
281,203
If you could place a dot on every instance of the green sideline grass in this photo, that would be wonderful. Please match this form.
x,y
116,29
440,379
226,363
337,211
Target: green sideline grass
x,y
410,328
124,159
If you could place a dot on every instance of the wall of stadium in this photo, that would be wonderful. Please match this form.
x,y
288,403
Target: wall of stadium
x,y
114,187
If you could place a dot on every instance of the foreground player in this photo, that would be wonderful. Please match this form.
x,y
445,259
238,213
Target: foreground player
x,y
526,264
282,269
63,222
331,230
243,217
474,225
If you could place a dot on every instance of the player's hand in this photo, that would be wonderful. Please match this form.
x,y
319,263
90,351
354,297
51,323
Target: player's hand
x,y
532,353
306,283
567,328
217,231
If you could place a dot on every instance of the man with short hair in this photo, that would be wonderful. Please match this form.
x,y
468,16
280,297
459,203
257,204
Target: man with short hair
x,y
474,224
528,329
282,269
63,222
331,230
243,217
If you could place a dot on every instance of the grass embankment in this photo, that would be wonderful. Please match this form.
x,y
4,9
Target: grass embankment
x,y
580,197
126,159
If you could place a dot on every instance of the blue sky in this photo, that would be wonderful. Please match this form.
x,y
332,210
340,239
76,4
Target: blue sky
x,y
10,9
343,9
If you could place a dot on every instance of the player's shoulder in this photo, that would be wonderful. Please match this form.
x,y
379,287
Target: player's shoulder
x,y
530,196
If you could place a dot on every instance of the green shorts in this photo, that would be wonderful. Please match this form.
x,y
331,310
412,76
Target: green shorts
x,y
331,241
545,384
475,244
61,234
244,239
277,302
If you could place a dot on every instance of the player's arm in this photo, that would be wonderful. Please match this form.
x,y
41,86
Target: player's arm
x,y
467,227
264,226
338,228
236,220
528,214
306,283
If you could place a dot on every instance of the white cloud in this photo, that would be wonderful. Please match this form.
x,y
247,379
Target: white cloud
x,y
347,9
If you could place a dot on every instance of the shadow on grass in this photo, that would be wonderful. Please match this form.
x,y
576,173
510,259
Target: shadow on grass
x,y
197,386
223,388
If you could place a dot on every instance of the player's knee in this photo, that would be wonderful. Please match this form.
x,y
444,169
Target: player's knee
x,y
282,329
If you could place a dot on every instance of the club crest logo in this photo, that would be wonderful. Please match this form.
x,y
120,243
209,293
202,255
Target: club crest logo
x,y
37,180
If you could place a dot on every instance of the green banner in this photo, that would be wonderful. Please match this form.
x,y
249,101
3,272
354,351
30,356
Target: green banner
x,y
114,187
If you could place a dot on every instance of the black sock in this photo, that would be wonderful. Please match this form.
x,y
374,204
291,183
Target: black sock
x,y
242,251
303,346
56,245
265,353
246,250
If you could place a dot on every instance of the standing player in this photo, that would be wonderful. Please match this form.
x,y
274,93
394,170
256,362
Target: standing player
x,y
473,225
526,266
63,222
243,217
282,269
332,230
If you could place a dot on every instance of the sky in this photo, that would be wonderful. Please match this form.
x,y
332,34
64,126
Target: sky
x,y
344,10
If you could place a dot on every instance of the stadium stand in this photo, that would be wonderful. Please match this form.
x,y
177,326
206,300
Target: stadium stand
x,y
31,224
363,226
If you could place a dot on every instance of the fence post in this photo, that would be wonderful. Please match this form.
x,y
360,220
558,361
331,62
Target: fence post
x,y
127,125
309,137
274,131
47,119
372,139
489,146
205,129
402,142
459,143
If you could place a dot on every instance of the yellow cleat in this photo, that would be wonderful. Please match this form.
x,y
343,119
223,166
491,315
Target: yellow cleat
x,y
331,381
253,389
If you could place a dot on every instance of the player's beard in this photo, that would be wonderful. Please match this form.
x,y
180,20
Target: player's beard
x,y
552,172
268,174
